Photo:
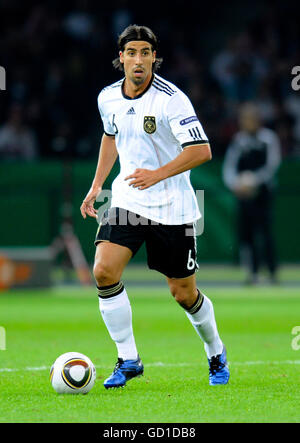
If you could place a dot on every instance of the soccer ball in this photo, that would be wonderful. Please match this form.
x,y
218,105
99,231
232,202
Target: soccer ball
x,y
72,373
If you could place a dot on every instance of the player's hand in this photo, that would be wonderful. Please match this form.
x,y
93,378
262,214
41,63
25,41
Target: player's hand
x,y
144,178
87,207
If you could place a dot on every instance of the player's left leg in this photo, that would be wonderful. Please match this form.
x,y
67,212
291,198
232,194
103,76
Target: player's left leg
x,y
199,310
171,250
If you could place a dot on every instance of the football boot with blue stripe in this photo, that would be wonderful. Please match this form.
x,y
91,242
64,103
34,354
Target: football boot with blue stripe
x,y
124,371
218,369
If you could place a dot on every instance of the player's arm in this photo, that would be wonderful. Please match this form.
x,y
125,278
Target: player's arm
x,y
191,157
107,156
184,125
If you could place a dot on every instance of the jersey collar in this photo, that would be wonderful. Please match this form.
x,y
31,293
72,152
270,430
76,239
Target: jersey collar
x,y
139,95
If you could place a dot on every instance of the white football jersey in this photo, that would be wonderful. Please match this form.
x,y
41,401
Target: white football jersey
x,y
151,130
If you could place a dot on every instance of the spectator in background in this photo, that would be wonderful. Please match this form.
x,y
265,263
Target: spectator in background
x,y
239,69
49,49
17,142
250,164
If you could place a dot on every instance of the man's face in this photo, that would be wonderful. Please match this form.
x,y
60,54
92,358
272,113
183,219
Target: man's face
x,y
249,120
137,59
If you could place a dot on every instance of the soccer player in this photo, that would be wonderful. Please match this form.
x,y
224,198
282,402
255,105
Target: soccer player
x,y
152,126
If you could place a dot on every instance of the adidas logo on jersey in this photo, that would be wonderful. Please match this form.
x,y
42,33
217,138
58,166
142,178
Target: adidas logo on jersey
x,y
131,111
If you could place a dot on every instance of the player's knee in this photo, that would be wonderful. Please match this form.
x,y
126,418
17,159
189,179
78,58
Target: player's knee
x,y
183,299
103,274
182,294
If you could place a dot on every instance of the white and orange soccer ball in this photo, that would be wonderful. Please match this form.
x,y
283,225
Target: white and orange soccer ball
x,y
72,373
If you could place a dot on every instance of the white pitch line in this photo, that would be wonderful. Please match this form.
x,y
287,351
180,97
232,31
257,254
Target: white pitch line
x,y
167,365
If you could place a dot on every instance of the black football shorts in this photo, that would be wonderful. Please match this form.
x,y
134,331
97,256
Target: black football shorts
x,y
171,249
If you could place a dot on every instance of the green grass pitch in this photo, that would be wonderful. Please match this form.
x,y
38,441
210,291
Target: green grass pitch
x,y
255,324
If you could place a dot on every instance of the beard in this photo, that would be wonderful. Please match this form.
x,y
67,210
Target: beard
x,y
138,80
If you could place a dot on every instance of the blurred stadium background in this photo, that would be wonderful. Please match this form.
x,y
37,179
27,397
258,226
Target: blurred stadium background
x,y
57,56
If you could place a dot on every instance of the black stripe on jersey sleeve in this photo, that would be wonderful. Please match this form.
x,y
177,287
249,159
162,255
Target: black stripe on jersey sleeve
x,y
109,135
162,90
195,134
198,132
198,142
191,134
163,84
165,88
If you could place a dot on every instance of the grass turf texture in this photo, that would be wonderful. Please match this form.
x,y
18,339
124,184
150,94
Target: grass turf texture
x,y
255,324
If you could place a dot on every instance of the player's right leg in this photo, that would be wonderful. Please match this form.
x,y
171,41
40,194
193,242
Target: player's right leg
x,y
110,260
115,308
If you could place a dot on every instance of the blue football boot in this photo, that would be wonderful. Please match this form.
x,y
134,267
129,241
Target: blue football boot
x,y
218,369
124,370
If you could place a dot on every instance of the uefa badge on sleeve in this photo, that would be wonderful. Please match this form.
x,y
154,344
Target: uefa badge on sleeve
x,y
149,124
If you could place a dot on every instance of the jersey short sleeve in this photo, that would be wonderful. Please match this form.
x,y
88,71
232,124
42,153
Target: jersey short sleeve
x,y
183,121
108,129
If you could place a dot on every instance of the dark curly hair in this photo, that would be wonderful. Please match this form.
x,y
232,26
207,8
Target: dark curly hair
x,y
136,32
